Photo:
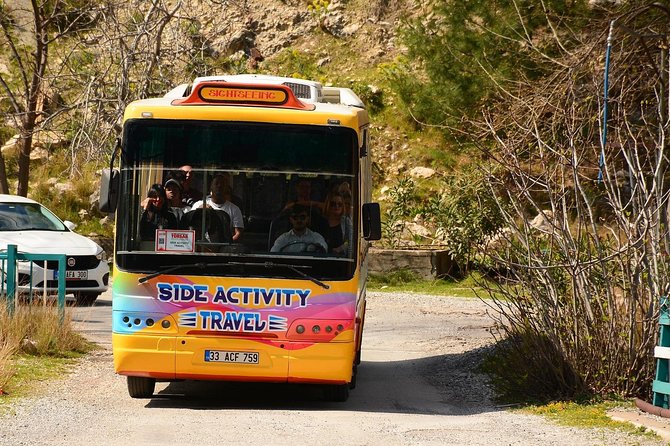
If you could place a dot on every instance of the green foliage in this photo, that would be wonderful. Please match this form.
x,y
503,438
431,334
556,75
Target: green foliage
x,y
398,277
464,213
469,48
401,205
407,281
372,97
318,8
294,63
6,132
68,204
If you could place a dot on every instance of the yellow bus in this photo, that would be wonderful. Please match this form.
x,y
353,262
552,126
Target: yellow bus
x,y
243,222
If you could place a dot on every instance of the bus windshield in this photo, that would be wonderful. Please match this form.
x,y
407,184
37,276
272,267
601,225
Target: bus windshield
x,y
235,198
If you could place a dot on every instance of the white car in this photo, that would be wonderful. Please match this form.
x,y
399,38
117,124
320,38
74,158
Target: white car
x,y
36,230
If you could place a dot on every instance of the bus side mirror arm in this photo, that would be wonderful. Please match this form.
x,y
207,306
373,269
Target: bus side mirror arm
x,y
109,184
372,221
109,190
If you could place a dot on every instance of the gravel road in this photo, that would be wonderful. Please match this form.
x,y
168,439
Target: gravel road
x,y
416,386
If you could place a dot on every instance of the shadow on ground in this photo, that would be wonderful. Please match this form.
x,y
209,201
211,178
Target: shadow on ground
x,y
416,386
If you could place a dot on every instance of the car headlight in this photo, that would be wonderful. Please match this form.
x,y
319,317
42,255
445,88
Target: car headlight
x,y
101,255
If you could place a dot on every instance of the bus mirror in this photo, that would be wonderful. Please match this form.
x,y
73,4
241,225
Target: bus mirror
x,y
372,221
109,190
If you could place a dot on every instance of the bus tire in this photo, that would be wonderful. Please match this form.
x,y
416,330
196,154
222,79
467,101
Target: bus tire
x,y
354,373
338,393
140,387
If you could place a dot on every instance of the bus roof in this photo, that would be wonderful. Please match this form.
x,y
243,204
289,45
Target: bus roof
x,y
246,98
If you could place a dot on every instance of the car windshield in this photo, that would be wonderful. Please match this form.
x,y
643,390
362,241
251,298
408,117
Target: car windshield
x,y
28,217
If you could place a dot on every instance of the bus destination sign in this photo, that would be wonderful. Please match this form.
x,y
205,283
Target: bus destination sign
x,y
243,95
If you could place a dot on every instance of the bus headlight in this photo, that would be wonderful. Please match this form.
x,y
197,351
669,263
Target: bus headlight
x,y
150,323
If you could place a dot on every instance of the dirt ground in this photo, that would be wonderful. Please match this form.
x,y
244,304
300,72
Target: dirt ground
x,y
417,386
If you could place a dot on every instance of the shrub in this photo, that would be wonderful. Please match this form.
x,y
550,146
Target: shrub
x,y
400,206
38,329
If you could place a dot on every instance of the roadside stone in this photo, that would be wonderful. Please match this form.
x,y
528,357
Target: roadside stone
x,y
422,172
64,187
543,221
29,346
39,154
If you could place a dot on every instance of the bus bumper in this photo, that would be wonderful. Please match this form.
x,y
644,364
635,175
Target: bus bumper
x,y
172,358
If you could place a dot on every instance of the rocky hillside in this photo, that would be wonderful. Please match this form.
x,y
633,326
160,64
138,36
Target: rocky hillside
x,y
349,43
344,41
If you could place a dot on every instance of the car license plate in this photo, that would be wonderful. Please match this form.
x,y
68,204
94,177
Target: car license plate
x,y
232,357
73,275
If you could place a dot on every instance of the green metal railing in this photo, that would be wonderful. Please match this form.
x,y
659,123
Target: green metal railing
x,y
9,259
661,385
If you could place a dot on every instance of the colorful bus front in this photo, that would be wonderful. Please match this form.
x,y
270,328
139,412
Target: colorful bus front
x,y
272,304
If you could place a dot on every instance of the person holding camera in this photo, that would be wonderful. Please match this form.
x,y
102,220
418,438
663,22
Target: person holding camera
x,y
156,213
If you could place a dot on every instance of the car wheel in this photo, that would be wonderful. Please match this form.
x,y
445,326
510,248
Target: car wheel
x,y
140,387
85,299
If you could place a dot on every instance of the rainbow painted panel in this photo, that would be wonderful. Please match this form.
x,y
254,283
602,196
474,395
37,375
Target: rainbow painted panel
x,y
235,306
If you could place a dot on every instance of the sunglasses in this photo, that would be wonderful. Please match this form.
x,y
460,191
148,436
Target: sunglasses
x,y
336,204
299,217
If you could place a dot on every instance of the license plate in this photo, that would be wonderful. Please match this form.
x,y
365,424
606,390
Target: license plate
x,y
73,275
232,357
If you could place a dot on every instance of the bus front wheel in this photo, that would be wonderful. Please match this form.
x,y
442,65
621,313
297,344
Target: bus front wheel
x,y
337,392
140,387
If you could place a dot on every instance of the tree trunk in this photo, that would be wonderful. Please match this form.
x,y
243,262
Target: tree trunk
x,y
25,146
4,186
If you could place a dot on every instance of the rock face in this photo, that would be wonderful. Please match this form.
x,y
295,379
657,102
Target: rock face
x,y
43,143
422,172
257,29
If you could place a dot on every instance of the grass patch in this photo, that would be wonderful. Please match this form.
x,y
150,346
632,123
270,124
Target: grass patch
x,y
30,372
589,414
407,281
35,345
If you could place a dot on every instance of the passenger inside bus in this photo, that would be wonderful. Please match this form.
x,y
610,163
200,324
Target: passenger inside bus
x,y
338,234
345,189
303,189
189,192
155,213
304,196
299,238
219,200
173,193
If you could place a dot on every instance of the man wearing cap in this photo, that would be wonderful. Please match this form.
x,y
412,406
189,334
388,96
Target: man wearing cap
x,y
300,238
174,199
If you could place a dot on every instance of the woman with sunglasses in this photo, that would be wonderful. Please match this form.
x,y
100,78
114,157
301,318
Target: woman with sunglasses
x,y
339,229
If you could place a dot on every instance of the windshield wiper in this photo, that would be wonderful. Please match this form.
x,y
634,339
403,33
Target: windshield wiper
x,y
169,269
203,265
293,268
